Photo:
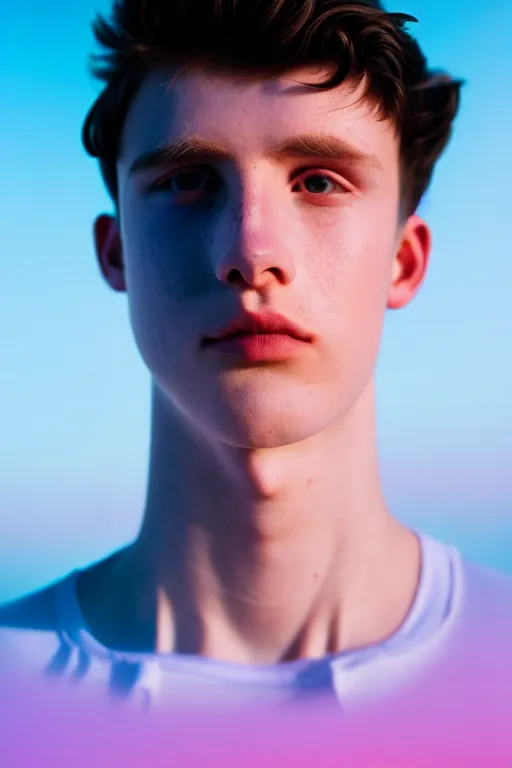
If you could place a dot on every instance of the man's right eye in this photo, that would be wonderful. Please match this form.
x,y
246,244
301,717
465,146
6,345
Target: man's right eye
x,y
187,182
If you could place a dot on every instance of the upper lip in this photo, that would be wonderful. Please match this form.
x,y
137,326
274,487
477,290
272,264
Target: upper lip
x,y
261,322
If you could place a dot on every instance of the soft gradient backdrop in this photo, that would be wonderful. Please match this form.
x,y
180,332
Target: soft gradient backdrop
x,y
74,402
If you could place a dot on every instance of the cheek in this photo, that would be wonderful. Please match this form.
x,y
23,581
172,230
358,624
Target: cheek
x,y
162,277
351,268
351,271
164,262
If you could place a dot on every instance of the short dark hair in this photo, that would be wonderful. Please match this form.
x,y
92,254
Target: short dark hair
x,y
358,41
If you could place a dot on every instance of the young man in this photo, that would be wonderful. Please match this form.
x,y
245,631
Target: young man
x,y
266,159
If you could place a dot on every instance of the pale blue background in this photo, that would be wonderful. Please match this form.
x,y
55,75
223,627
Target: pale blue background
x,y
74,396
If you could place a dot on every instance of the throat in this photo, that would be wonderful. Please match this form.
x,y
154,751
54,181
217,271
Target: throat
x,y
280,610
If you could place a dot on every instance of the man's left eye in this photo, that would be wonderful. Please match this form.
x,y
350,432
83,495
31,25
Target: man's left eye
x,y
319,184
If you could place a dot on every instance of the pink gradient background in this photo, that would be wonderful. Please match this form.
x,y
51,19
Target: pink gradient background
x,y
446,719
43,728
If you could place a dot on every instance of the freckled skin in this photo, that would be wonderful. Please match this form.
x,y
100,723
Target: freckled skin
x,y
326,262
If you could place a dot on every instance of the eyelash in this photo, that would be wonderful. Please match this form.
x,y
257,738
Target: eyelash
x,y
312,172
162,184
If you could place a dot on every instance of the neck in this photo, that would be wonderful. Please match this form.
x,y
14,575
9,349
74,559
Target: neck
x,y
257,556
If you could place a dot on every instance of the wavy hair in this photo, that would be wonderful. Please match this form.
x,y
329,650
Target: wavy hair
x,y
359,42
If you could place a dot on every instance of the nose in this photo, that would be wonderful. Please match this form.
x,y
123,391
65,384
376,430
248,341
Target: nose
x,y
252,245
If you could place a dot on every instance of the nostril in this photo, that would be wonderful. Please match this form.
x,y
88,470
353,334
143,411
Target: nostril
x,y
235,277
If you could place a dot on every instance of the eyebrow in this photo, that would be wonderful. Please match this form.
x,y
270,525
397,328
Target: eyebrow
x,y
302,145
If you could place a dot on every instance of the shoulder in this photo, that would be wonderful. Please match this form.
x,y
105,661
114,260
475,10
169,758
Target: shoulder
x,y
29,629
35,611
488,590
486,609
475,650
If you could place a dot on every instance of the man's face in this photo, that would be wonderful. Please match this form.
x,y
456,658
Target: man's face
x,y
256,224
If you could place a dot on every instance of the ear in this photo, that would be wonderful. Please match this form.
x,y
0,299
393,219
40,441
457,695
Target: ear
x,y
107,241
410,262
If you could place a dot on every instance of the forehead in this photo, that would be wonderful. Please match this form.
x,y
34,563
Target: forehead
x,y
248,115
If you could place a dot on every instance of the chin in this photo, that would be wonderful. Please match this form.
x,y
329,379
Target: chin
x,y
258,412
259,423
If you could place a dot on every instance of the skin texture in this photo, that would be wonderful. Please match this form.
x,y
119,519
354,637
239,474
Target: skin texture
x,y
265,535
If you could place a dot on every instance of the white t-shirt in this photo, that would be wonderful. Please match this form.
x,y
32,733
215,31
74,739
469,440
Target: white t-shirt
x,y
458,629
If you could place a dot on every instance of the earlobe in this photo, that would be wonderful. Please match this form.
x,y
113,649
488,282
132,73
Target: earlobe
x,y
109,253
410,263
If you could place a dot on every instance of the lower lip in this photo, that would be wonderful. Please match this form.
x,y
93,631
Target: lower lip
x,y
260,347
